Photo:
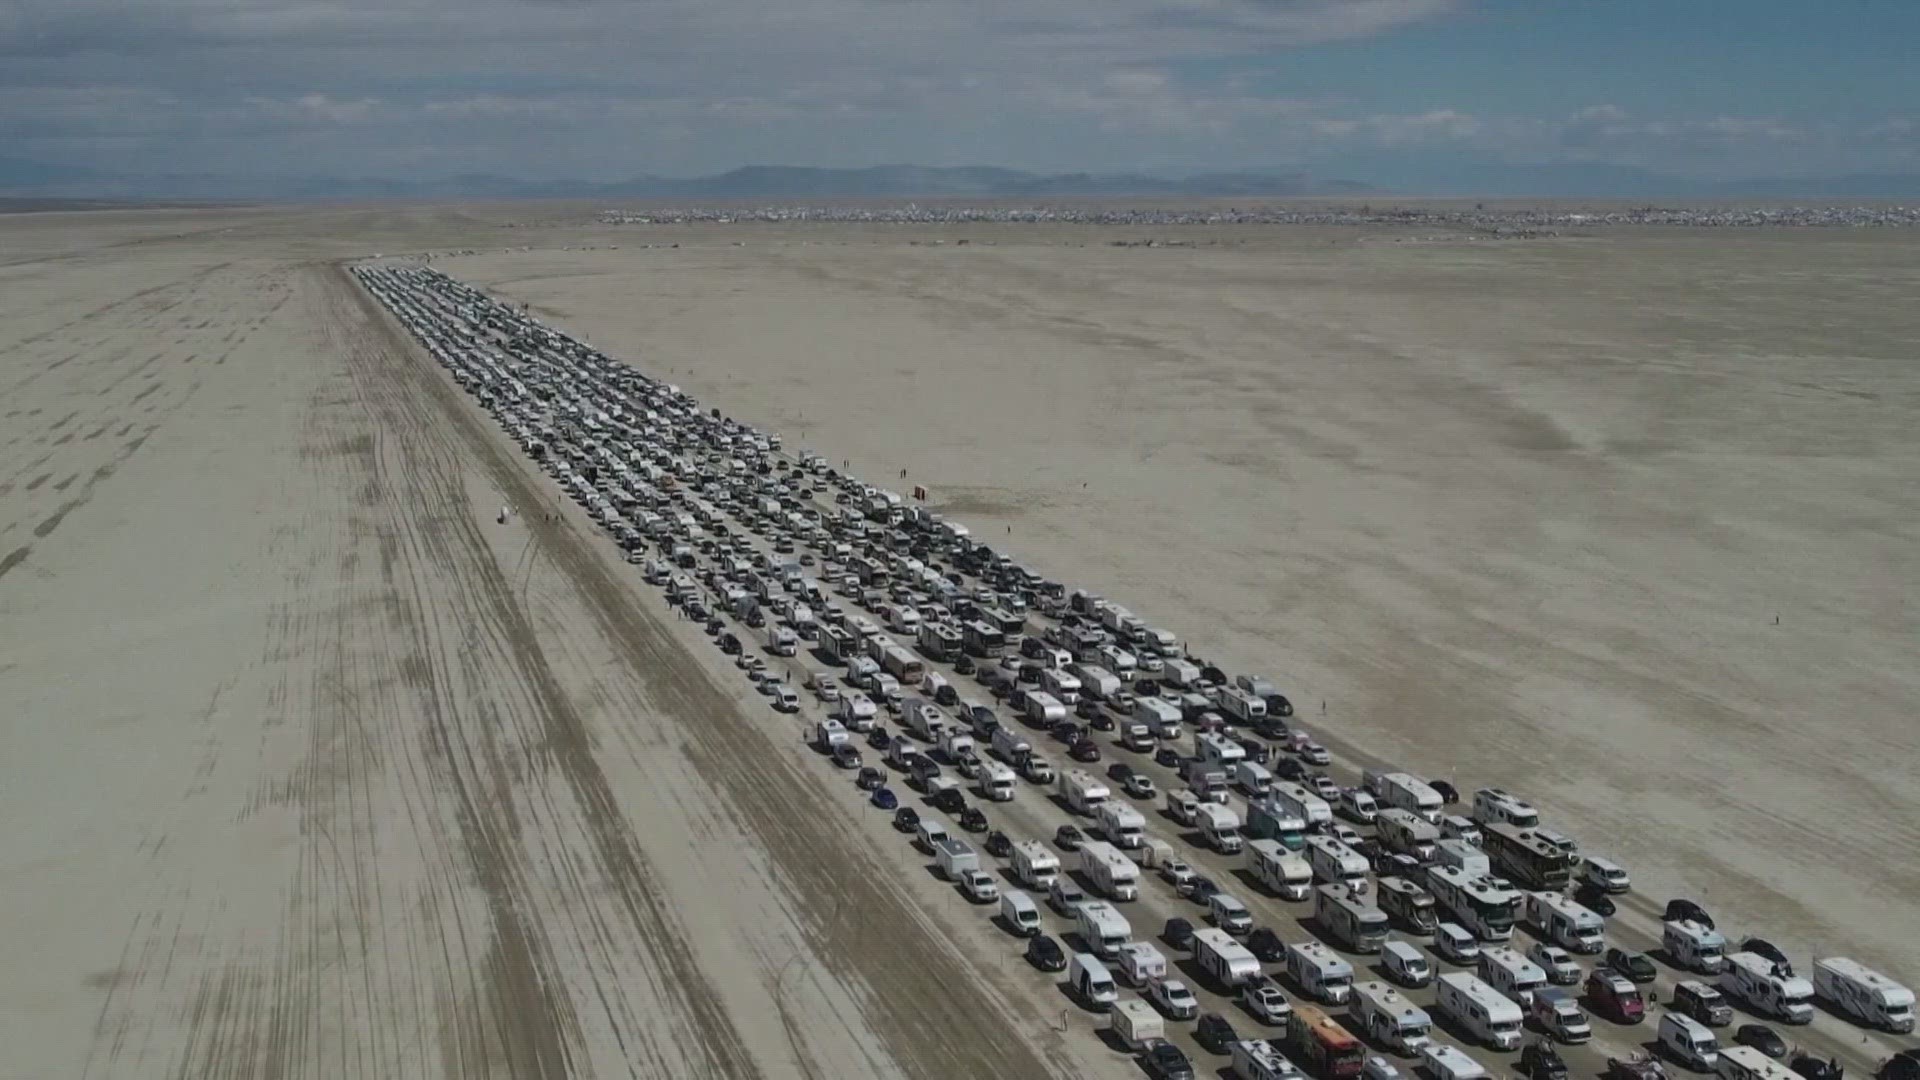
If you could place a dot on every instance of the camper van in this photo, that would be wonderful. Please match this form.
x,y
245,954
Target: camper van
x,y
1091,982
1488,1015
1688,1042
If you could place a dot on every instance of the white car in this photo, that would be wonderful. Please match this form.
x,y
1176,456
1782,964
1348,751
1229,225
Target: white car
x,y
1266,1003
826,687
1177,874
1140,786
1315,754
1172,997
1378,1068
1556,962
1346,835
979,887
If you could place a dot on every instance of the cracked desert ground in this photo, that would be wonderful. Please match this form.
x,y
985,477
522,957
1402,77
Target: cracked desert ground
x,y
313,769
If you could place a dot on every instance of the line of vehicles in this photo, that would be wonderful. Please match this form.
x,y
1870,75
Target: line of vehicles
x,y
811,561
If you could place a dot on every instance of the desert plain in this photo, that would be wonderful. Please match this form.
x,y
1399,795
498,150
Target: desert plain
x,y
315,768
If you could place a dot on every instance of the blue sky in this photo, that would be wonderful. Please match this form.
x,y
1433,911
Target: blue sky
x,y
610,88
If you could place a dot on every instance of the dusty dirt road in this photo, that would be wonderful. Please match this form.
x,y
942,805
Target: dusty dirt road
x,y
316,770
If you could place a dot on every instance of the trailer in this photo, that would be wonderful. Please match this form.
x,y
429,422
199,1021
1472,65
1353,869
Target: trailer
x,y
955,857
1224,960
1136,1023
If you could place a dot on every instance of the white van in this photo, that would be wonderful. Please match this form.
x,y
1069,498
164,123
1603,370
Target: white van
x,y
1689,1042
1091,982
1452,941
1405,963
1020,912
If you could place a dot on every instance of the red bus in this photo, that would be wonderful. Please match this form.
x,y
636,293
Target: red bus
x,y
1321,1046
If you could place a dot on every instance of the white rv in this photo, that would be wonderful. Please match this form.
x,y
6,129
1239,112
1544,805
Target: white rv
x,y
1282,871
1261,1059
1082,791
1408,792
1294,800
1492,805
1864,994
1111,873
1750,979
1320,972
1035,866
1694,946
1485,905
1566,923
1123,826
996,782
1102,927
1220,827
1223,959
1488,1015
1141,963
1386,1014
1160,716
1405,831
1336,863
1507,970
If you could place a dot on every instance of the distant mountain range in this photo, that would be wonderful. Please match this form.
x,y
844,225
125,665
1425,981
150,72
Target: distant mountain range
x,y
29,179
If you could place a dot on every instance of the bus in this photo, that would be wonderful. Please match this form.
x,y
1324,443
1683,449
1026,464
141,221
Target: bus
x,y
1321,1046
1485,906
903,665
1531,860
1352,922
1012,627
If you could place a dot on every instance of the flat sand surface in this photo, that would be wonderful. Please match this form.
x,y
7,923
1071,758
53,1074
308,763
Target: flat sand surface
x,y
314,769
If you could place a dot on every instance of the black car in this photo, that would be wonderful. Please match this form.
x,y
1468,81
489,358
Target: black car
x,y
1291,769
999,845
1086,708
1146,688
1257,752
1101,720
1202,890
1814,1068
1119,772
869,779
878,738
1168,756
1066,731
1084,749
1595,899
949,801
1278,705
973,819
1768,949
714,626
1178,934
1165,1061
1045,953
1068,838
1265,945
1449,795
1542,1062
846,756
1687,911
729,644
906,819
1634,965
1761,1038
1215,1033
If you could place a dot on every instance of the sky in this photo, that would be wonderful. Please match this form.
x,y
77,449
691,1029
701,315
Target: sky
x,y
608,89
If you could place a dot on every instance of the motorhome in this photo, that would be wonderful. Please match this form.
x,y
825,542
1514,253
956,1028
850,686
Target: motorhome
x,y
1102,927
1122,825
1110,873
1694,946
1390,1018
1223,959
1319,972
982,640
1034,865
1412,906
1279,870
1507,970
1688,1042
1492,805
1565,923
1082,791
1408,792
996,782
1440,1061
1485,1013
1296,801
1754,981
1267,820
1336,863
1405,831
1216,749
1462,854
1260,1059
1140,962
1746,1063
1858,991
1220,827
1528,859
780,640
1485,905
1349,919
1091,982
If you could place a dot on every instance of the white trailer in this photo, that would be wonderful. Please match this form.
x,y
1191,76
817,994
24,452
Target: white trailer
x,y
1488,1015
1082,791
1864,994
1123,826
1224,960
781,640
829,733
1566,923
1136,1023
1102,927
1463,855
1296,801
1320,972
1161,717
1280,870
925,719
1061,685
1390,1017
1242,706
1096,682
1045,709
955,857
954,742
1010,745
1220,826
1335,863
1752,980
1035,866
1110,872
1478,901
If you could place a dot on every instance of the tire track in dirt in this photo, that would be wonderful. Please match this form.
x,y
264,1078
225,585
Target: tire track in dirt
x,y
937,1019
